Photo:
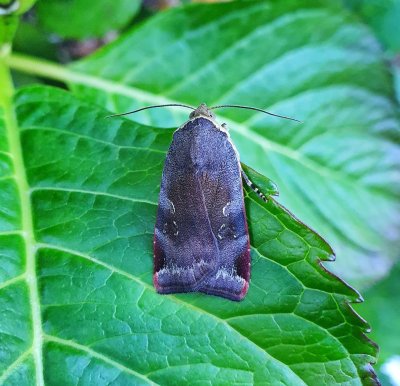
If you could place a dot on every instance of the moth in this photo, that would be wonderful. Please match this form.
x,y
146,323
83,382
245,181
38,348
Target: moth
x,y
201,237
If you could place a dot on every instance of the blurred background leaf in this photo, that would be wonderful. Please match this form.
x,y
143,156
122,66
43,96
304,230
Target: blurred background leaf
x,y
85,18
383,16
382,310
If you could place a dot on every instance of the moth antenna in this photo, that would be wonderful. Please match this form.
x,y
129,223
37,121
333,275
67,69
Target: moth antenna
x,y
255,109
151,107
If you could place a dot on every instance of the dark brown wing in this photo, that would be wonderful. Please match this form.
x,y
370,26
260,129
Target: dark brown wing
x,y
201,239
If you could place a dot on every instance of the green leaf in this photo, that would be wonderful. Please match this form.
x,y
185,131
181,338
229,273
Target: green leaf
x,y
77,216
382,311
265,185
383,16
34,41
8,7
9,11
338,171
8,26
85,18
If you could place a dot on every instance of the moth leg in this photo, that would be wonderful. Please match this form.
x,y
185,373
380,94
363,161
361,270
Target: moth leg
x,y
253,187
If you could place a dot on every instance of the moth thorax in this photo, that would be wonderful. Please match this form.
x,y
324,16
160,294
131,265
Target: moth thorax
x,y
202,111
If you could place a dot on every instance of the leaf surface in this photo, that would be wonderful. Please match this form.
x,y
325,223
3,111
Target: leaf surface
x,y
383,17
338,171
76,228
85,18
382,311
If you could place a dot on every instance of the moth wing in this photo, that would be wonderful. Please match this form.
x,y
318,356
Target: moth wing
x,y
201,240
185,248
223,192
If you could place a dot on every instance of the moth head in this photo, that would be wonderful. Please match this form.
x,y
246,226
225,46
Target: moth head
x,y
202,111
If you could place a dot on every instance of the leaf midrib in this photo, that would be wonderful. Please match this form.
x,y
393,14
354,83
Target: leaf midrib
x,y
27,229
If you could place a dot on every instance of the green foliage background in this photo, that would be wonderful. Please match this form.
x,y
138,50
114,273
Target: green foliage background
x,y
78,192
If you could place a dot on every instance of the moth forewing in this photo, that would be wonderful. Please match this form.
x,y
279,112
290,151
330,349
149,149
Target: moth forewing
x,y
201,240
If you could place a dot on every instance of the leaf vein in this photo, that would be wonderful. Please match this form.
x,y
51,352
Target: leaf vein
x,y
170,297
97,355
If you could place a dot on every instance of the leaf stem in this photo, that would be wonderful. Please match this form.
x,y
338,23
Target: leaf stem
x,y
12,132
54,71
